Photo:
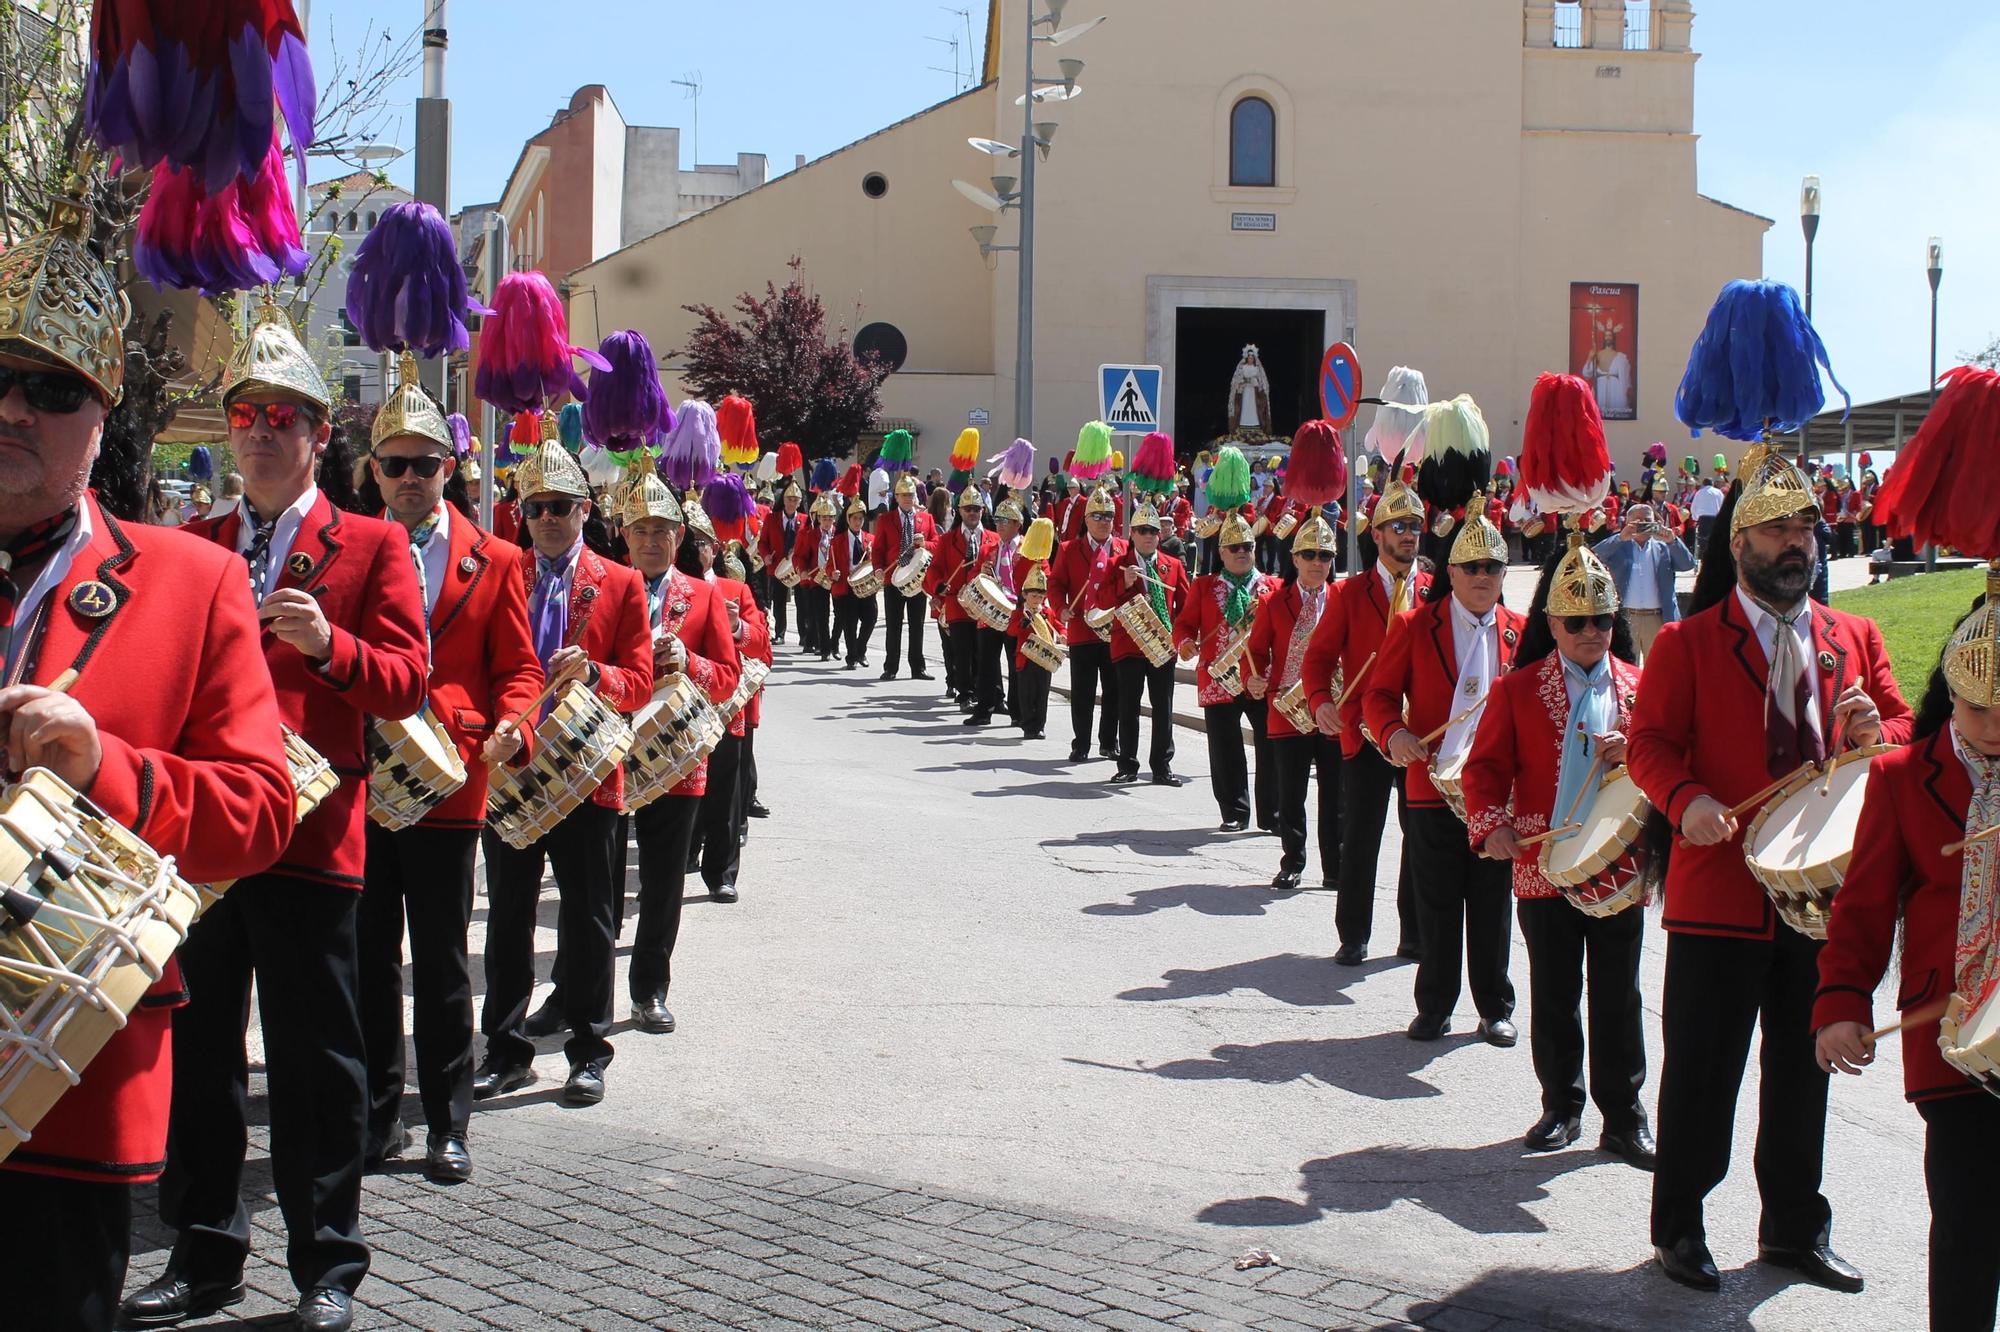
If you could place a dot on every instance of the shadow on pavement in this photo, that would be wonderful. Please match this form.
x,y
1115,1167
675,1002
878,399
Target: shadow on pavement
x,y
1290,978
1635,1297
1073,789
1207,898
1047,767
1483,1190
1382,1067
1147,841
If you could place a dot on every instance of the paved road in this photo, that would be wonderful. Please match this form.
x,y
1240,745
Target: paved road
x,y
964,966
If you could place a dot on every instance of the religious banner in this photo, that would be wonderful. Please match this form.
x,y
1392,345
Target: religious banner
x,y
1604,344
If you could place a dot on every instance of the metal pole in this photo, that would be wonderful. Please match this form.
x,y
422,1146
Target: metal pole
x,y
1810,222
434,148
1930,552
496,255
1024,346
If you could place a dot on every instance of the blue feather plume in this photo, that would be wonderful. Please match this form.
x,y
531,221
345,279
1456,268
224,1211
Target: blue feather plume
x,y
1755,366
824,474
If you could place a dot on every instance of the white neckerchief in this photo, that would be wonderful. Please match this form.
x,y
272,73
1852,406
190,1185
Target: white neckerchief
x,y
283,534
54,570
1477,638
437,559
1766,625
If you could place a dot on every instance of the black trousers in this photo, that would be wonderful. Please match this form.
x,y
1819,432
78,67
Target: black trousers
x,y
1717,992
853,625
1961,1173
1300,759
904,611
963,635
297,939
1564,946
1229,773
777,601
994,688
749,777
1090,666
1137,677
1031,699
664,828
1463,911
578,851
1366,782
815,618
721,814
79,1237
422,875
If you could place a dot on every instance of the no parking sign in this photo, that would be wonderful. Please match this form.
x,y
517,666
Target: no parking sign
x,y
1340,385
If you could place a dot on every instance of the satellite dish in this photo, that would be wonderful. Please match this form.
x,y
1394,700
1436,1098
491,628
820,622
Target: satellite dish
x,y
994,146
886,342
1054,93
978,196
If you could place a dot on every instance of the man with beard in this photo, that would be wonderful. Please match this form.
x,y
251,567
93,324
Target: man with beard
x,y
1762,661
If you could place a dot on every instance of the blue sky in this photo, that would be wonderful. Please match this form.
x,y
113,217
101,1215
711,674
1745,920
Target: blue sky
x,y
1895,114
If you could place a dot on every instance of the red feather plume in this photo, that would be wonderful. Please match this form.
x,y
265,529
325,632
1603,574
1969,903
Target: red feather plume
x,y
1565,465
850,485
790,458
1316,473
1941,490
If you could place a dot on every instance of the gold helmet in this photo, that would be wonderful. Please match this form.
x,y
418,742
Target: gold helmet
x,y
823,506
906,484
969,498
1478,539
1315,533
409,411
1235,531
791,491
550,470
856,504
649,497
1145,516
1398,501
1101,504
272,359
696,517
1972,658
1773,488
470,470
734,565
1582,585
1036,581
1010,510
60,304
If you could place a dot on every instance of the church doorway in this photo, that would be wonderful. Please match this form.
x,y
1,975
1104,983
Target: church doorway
x,y
1209,344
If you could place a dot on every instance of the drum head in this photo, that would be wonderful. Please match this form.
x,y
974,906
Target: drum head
x,y
1606,818
1983,1027
1814,822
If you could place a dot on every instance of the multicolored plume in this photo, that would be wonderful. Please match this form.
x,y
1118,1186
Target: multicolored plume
x,y
243,235
964,457
1404,396
736,424
627,410
524,349
1229,481
1565,464
1317,471
198,86
1941,490
790,458
1154,470
1092,458
1014,468
1458,457
406,291
897,453
1755,367
692,450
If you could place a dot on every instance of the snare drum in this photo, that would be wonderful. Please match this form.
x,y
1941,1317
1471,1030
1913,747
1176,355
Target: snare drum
x,y
785,573
1099,622
1148,632
987,602
1285,525
866,583
1047,653
78,950
1969,1039
414,766
909,575
747,684
1292,706
671,735
313,778
1604,868
1798,844
1208,524
1448,776
577,746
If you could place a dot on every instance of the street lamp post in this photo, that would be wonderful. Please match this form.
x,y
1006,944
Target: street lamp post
x,y
433,183
1809,204
1934,270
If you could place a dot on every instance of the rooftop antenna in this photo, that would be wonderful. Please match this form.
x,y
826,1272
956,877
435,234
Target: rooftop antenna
x,y
957,77
693,84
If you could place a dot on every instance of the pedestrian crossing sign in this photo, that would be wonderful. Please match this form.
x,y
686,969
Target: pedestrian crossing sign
x,y
1128,398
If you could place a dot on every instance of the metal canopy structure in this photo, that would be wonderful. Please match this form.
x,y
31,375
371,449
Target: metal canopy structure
x,y
1886,424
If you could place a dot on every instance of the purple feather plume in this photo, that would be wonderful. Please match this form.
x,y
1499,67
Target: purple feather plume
x,y
693,449
627,408
727,499
406,291
461,434
1015,468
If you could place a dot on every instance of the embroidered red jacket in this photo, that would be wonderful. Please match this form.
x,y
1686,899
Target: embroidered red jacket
x,y
1271,645
849,550
1414,684
888,544
753,643
806,548
1349,633
776,537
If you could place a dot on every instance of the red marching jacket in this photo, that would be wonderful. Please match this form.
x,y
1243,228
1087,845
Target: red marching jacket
x,y
753,643
953,566
1517,755
888,544
164,640
1111,591
1350,632
1915,807
1201,621
1699,730
1071,528
849,549
692,611
1073,575
1418,670
1271,644
359,571
805,549
607,619
483,667
776,537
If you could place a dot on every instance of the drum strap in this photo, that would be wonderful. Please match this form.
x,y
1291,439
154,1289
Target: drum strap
x,y
1977,960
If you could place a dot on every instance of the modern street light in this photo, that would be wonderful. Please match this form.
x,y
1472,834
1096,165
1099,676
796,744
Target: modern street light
x,y
1934,270
1809,203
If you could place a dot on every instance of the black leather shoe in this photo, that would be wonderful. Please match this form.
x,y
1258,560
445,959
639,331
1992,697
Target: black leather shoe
x,y
922,675
171,1300
1552,1132
544,1021
1424,1027
1819,1265
979,717
1351,955
586,1084
1410,951
889,674
1031,735
1499,1032
1634,1148
324,1309
1106,751
1286,882
1689,1263
1233,825
1169,779
497,1079
1122,778
1329,885
758,810
446,1159
398,1143
1079,755
723,892
651,1014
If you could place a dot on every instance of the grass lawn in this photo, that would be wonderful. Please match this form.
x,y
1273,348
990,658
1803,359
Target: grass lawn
x,y
1916,615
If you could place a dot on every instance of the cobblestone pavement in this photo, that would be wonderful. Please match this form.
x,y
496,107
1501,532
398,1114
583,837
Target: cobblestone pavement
x,y
610,1229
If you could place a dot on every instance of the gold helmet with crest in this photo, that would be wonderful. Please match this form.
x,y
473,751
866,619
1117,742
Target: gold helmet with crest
x,y
1478,539
1773,488
59,304
550,470
1398,502
1101,504
272,360
409,410
648,497
1235,532
1582,584
1315,534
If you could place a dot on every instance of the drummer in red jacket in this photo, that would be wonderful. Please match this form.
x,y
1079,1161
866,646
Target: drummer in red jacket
x,y
1142,572
957,557
1710,690
1219,608
721,826
1553,727
1284,627
587,616
1081,563
483,674
1904,898
167,722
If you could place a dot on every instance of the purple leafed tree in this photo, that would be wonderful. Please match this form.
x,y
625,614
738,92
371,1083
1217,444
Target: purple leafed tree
x,y
806,384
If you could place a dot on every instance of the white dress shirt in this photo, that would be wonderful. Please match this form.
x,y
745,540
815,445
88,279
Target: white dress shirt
x,y
437,559
1477,638
282,535
54,570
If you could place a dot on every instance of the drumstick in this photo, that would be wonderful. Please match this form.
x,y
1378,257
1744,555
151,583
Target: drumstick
x,y
1526,842
1355,683
1960,845
1927,1014
512,724
1744,806
61,684
1426,741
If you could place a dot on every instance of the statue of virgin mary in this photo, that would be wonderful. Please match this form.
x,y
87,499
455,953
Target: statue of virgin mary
x,y
1250,395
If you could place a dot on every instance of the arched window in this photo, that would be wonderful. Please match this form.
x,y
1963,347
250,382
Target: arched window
x,y
371,220
1253,143
540,228
352,220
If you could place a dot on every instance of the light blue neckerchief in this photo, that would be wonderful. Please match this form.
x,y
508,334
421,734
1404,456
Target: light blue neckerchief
x,y
1595,712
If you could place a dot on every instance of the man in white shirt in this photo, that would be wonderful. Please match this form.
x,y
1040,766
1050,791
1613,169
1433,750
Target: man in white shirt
x,y
1707,502
878,487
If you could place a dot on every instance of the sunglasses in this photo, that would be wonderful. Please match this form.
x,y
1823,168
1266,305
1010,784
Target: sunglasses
x,y
1576,624
281,415
1484,568
49,391
555,508
1401,527
426,466
1237,549
1316,556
